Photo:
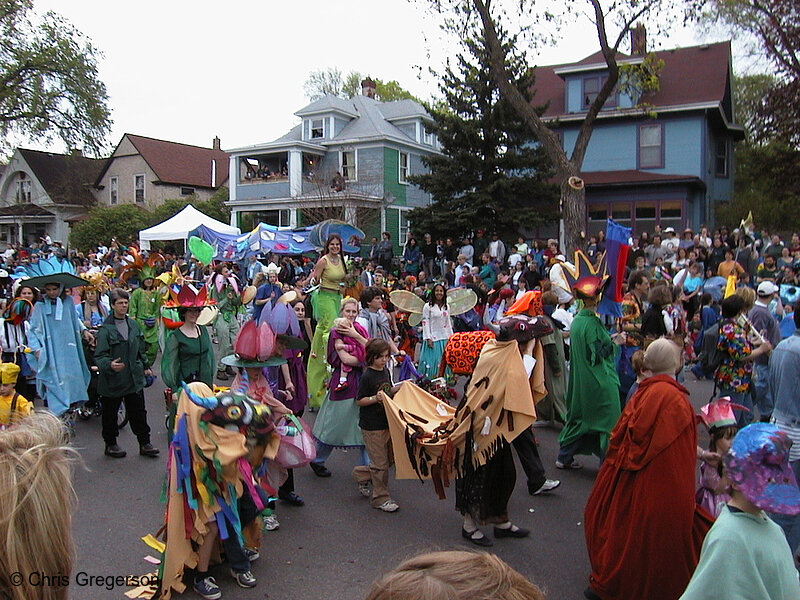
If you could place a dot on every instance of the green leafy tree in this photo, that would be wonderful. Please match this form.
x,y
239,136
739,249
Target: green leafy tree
x,y
491,174
123,222
333,82
49,85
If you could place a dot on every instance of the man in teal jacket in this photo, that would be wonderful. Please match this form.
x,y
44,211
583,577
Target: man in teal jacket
x,y
121,359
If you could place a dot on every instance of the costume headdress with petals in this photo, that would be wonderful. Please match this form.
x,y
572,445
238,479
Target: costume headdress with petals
x,y
138,266
97,282
188,296
586,281
719,412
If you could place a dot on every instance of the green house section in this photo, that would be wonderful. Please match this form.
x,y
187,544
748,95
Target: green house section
x,y
392,185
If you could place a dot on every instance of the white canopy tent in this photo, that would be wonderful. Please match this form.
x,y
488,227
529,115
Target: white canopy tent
x,y
178,227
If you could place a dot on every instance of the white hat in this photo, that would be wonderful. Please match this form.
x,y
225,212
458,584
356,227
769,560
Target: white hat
x,y
669,230
767,288
272,268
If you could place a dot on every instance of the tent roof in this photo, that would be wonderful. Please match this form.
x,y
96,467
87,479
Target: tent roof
x,y
178,226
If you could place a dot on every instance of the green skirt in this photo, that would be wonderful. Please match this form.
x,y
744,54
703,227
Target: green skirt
x,y
337,424
326,306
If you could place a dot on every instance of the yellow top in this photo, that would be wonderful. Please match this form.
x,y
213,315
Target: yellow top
x,y
332,275
23,409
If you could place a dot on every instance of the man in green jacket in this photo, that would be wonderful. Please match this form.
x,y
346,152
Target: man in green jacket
x,y
120,356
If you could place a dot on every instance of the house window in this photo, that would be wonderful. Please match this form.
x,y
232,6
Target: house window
x,y
348,167
317,128
429,138
187,191
403,225
113,190
592,87
24,191
671,214
138,188
403,177
651,146
645,217
722,158
597,216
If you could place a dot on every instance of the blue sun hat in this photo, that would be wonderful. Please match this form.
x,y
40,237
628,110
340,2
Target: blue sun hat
x,y
758,463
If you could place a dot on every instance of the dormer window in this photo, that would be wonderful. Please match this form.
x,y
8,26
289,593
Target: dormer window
x,y
317,128
429,138
591,88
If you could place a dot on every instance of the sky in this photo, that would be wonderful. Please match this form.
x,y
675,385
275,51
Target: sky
x,y
186,71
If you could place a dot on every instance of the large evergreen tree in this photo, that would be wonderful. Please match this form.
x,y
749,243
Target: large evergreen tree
x,y
491,174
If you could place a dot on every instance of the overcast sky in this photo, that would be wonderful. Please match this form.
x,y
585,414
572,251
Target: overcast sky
x,y
187,71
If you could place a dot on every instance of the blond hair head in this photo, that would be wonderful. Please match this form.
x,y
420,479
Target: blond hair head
x,y
748,295
454,575
36,499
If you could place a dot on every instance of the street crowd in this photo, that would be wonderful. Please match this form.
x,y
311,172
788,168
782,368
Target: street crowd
x,y
369,343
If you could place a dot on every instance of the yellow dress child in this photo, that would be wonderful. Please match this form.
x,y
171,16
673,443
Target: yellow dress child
x,y
12,405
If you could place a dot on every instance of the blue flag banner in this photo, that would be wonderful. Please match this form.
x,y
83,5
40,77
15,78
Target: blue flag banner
x,y
617,248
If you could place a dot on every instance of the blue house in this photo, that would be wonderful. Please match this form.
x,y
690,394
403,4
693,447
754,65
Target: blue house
x,y
669,165
347,159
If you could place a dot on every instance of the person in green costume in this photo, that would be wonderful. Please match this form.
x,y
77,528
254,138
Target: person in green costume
x,y
329,272
225,291
145,308
593,390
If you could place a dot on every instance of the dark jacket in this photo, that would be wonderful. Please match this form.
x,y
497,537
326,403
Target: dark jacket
x,y
110,346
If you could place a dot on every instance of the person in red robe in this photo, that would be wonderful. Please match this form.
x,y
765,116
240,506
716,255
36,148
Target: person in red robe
x,y
643,528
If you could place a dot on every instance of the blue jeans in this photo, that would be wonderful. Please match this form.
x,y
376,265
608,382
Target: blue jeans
x,y
324,451
790,523
764,400
743,417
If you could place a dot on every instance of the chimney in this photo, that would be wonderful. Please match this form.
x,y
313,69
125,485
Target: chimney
x,y
639,40
216,143
368,88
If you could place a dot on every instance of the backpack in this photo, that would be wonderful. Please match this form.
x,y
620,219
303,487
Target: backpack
x,y
710,356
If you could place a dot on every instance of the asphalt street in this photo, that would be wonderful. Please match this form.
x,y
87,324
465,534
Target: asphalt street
x,y
334,546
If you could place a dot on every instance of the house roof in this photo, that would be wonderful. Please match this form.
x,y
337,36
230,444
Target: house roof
x,y
25,210
179,164
65,177
327,104
634,177
693,75
371,119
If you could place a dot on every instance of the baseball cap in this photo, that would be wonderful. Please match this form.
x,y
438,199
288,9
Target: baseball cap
x,y
669,230
767,288
758,463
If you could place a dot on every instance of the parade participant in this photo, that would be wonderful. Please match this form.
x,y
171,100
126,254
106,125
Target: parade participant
x,y
188,354
436,330
54,338
13,406
36,529
734,376
329,273
208,460
454,575
745,554
145,300
643,528
92,310
122,363
375,427
352,347
374,318
14,337
553,407
593,404
267,292
718,417
633,308
224,290
336,425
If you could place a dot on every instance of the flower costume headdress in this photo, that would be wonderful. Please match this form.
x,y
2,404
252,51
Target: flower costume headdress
x,y
139,267
586,281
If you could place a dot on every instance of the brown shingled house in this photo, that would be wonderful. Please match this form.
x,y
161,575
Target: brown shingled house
x,y
146,171
42,192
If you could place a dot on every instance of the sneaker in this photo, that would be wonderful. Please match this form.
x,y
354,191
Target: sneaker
x,y
574,464
364,489
207,588
271,523
245,579
251,554
549,484
388,506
